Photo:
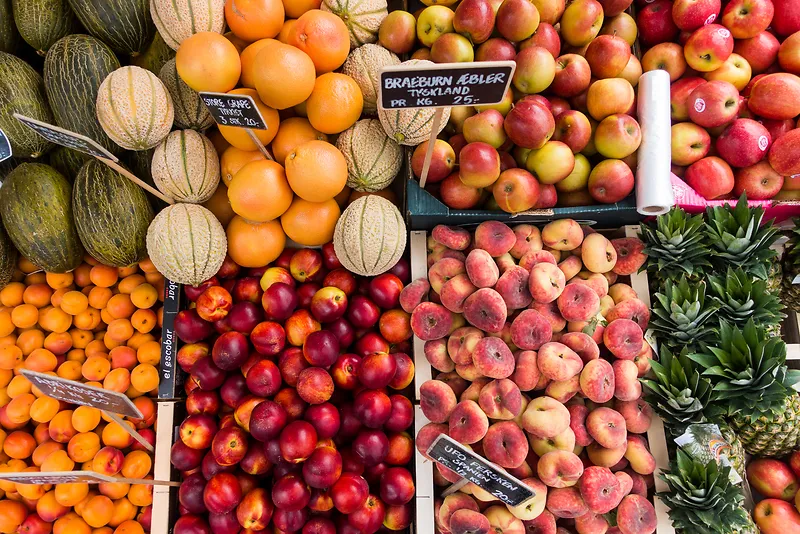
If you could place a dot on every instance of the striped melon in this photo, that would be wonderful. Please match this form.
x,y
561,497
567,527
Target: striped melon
x,y
370,236
22,91
68,162
177,20
74,68
155,56
43,22
362,17
190,112
186,243
9,36
373,160
185,167
134,108
124,25
411,127
111,215
8,258
364,65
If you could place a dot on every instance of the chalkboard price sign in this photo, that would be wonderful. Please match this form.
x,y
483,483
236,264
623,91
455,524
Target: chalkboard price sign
x,y
234,110
169,341
451,454
444,84
63,137
5,146
82,394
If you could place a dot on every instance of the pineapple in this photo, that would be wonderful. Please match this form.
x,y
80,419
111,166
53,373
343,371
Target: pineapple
x,y
682,317
737,238
775,276
790,293
740,298
703,500
754,388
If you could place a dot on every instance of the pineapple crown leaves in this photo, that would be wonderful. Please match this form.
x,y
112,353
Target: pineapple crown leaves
x,y
681,312
701,497
792,247
677,393
741,297
747,369
736,237
675,243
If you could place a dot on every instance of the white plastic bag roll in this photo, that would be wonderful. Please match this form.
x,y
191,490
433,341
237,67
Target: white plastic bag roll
x,y
654,194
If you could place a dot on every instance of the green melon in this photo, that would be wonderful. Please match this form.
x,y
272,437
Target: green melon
x,y
124,25
22,91
112,215
177,20
8,258
138,161
186,167
74,68
43,22
36,208
373,160
370,236
362,17
68,162
190,112
155,56
187,243
9,36
364,65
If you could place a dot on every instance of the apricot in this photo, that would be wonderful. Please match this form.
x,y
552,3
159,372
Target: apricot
x,y
123,511
19,445
99,297
124,272
43,450
10,357
48,507
58,343
114,490
129,527
19,409
11,295
7,325
129,283
57,461
71,494
144,320
59,280
117,380
24,315
42,431
44,409
71,524
95,348
119,330
123,357
30,340
80,338
137,464
88,319
120,306
37,295
19,385
61,429
71,370
55,320
95,368
108,461
35,278
103,276
141,494
144,377
84,446
144,296
41,360
138,339
97,512
31,492
81,275
5,377
115,436
85,418
12,514
73,302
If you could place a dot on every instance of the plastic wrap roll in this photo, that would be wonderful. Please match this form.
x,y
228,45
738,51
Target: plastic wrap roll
x,y
654,194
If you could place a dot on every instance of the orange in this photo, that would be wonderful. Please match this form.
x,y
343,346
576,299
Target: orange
x,y
98,510
144,296
310,223
316,171
240,45
293,132
247,191
207,61
288,24
248,58
103,275
335,103
295,8
234,159
59,280
251,20
324,37
254,244
11,295
12,514
239,137
284,75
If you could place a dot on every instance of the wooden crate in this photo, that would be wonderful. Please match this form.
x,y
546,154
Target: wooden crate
x,y
426,492
165,509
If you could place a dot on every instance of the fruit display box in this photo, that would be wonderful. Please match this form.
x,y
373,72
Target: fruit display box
x,y
427,492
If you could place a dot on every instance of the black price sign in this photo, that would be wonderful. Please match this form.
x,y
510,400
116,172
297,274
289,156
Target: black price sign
x,y
445,85
477,470
5,146
63,137
234,110
169,341
82,394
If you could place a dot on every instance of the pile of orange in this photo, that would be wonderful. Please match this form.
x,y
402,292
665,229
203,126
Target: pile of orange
x,y
97,325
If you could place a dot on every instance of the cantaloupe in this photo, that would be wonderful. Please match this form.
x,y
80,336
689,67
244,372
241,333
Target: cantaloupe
x,y
364,65
185,167
373,159
186,243
190,112
411,127
134,108
177,20
362,17
370,236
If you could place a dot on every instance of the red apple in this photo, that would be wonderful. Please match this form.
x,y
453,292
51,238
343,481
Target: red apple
x,y
743,143
747,18
607,55
774,516
474,19
495,49
545,36
665,56
713,104
760,51
517,19
610,181
573,75
655,23
442,161
679,97
692,14
455,194
711,177
787,17
529,125
708,47
759,181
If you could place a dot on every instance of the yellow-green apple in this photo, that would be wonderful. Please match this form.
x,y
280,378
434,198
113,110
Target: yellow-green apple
x,y
572,76
692,14
607,55
622,25
665,56
679,93
516,19
735,70
789,54
713,104
545,36
760,51
458,116
551,163
609,96
578,179
784,156
581,22
689,143
610,181
787,17
655,23
772,478
708,47
442,161
776,96
785,194
590,150
747,18
422,53
632,71
495,49
452,48
505,105
711,177
529,125
617,136
486,126
573,129
516,190
550,11
479,165
774,516
743,143
536,69
433,22
474,19
759,181
398,32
